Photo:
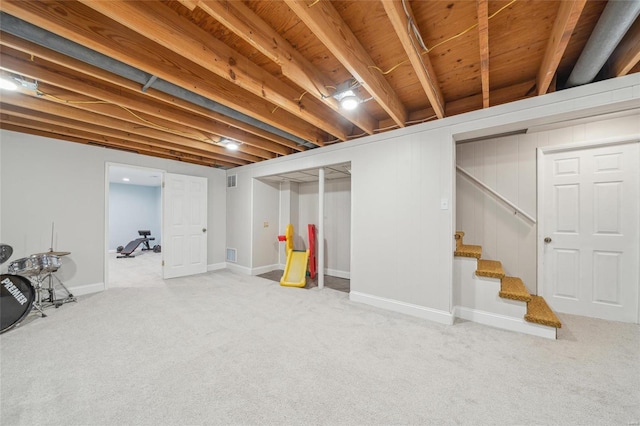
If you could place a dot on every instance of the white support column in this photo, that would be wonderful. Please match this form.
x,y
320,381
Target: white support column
x,y
320,241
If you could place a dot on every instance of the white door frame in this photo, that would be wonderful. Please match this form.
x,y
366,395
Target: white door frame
x,y
541,152
107,168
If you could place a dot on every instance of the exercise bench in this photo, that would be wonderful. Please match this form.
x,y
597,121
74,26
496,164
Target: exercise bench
x,y
133,245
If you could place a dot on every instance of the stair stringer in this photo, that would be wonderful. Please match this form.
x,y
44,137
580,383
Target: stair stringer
x,y
477,299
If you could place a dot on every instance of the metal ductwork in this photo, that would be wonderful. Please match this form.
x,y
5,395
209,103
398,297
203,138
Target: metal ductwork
x,y
613,24
27,31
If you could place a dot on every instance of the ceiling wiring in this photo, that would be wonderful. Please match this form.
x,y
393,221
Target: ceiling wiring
x,y
41,93
429,49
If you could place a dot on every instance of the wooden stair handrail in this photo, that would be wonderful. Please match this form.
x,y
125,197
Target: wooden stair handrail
x,y
495,194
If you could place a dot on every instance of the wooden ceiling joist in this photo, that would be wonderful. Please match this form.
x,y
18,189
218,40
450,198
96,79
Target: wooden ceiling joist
x,y
627,54
105,130
251,28
483,35
73,21
420,62
325,22
62,132
221,125
115,96
200,47
563,26
135,132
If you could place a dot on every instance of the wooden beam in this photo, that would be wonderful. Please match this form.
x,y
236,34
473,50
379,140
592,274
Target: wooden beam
x,y
76,122
118,97
165,27
135,132
57,131
627,54
563,26
327,24
420,62
262,147
251,28
189,4
82,25
483,34
500,96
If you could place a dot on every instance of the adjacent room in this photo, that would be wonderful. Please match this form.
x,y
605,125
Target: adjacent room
x,y
320,212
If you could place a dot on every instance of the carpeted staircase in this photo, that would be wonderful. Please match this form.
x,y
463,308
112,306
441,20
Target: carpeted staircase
x,y
511,288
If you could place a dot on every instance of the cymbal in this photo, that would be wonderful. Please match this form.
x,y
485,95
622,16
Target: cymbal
x,y
5,252
54,253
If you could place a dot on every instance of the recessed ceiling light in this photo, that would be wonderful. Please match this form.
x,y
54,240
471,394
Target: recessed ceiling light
x,y
350,102
229,144
126,179
7,84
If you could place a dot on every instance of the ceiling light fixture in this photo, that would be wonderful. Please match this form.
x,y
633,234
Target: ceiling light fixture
x,y
229,144
350,102
7,84
126,179
346,96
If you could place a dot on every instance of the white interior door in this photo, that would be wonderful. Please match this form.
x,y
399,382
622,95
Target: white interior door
x,y
591,213
184,234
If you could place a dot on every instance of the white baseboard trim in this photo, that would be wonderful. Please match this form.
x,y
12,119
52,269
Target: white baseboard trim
x,y
216,266
84,289
234,267
264,269
435,315
338,274
506,323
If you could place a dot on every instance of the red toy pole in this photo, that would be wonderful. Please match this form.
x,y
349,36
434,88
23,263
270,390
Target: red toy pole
x,y
312,251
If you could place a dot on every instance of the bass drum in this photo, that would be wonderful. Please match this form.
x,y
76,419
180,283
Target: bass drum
x,y
16,300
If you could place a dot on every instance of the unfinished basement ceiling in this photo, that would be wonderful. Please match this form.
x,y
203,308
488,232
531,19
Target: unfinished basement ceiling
x,y
174,79
335,171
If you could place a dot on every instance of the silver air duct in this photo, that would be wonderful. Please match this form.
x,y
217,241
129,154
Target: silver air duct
x,y
613,24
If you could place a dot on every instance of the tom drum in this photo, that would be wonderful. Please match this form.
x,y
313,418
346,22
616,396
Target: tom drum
x,y
35,265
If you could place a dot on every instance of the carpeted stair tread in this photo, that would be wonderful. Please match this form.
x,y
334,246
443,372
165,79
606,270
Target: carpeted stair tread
x,y
490,268
513,288
539,312
464,250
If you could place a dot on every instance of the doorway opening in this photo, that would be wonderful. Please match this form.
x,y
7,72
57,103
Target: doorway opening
x,y
298,193
133,226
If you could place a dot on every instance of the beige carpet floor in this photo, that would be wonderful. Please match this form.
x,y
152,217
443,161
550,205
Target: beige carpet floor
x,y
228,349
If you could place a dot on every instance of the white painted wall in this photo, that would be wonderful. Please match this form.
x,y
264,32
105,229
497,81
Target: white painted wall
x,y
508,166
289,213
266,218
337,222
132,208
402,241
46,180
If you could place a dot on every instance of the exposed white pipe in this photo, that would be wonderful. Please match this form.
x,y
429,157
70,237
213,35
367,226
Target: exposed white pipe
x,y
320,240
613,24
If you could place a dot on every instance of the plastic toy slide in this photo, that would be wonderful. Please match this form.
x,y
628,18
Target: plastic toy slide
x,y
295,271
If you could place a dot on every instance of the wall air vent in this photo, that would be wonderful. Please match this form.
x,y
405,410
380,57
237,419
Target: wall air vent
x,y
232,181
232,255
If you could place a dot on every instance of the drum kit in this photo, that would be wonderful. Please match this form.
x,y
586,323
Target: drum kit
x,y
30,284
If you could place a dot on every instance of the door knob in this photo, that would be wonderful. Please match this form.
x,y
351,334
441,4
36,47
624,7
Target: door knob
x,y
204,229
547,240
